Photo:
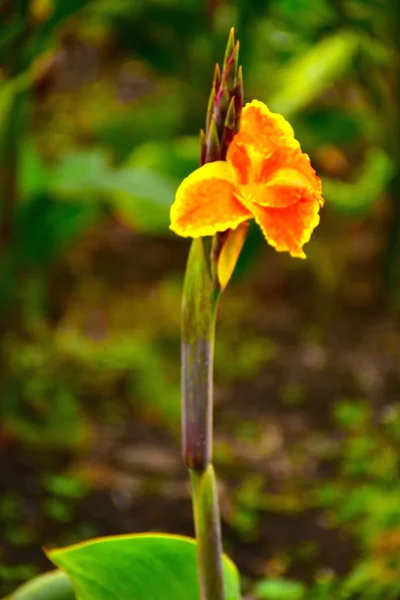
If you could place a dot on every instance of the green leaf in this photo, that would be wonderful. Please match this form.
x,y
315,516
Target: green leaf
x,y
81,173
279,589
141,196
175,159
139,567
307,77
50,586
34,173
355,199
8,93
150,178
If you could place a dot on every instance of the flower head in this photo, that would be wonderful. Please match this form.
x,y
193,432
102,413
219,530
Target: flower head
x,y
265,176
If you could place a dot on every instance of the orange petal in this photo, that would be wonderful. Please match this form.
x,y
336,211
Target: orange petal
x,y
239,156
284,179
289,228
283,161
261,134
270,128
205,202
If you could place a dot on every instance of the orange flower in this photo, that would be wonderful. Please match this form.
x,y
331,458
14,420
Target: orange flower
x,y
266,176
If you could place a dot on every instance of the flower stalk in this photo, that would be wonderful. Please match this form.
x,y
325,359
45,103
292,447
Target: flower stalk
x,y
251,167
202,290
200,300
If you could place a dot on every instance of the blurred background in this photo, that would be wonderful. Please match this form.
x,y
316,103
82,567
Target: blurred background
x,y
100,107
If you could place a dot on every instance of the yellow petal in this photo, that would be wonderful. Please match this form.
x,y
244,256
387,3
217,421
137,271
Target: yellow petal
x,y
231,249
205,202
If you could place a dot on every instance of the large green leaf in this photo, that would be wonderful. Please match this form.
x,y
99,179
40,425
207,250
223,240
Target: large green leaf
x,y
50,586
307,77
142,196
81,173
138,567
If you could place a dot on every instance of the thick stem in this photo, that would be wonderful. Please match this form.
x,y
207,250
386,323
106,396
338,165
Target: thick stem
x,y
197,403
200,299
208,533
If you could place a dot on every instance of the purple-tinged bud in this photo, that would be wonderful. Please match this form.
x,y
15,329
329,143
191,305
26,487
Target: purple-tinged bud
x,y
213,145
230,69
229,128
229,49
217,78
214,91
224,105
221,107
239,96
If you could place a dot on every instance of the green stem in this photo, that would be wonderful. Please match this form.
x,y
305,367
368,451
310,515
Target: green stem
x,y
200,299
208,533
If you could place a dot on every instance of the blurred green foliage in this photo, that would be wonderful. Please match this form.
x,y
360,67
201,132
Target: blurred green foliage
x,y
100,107
363,499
